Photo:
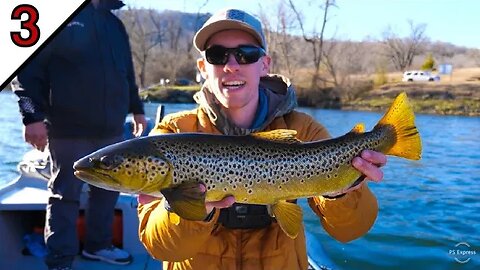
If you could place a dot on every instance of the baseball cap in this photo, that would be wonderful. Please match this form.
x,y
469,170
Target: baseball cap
x,y
229,19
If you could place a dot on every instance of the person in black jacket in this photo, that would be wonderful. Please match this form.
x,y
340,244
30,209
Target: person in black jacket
x,y
74,97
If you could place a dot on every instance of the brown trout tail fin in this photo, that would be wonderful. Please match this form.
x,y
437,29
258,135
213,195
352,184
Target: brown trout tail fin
x,y
400,116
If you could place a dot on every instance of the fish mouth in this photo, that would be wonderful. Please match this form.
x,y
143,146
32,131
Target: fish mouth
x,y
94,177
103,180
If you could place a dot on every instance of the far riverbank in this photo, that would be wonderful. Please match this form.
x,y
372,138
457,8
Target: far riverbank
x,y
430,98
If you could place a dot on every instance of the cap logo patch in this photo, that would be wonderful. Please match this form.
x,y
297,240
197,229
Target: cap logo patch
x,y
236,15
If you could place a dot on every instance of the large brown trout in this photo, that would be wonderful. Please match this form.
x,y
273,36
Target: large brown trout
x,y
266,168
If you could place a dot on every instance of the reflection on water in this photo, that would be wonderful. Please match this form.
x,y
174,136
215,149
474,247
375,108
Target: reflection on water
x,y
426,207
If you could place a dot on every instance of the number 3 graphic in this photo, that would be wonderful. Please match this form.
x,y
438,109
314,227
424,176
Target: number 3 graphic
x,y
30,24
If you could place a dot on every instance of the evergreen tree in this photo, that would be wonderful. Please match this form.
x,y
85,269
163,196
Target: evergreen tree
x,y
429,62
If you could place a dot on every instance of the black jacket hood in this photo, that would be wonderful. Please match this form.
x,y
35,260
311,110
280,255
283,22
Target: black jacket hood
x,y
111,4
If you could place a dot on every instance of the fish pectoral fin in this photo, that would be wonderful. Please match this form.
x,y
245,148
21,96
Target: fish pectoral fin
x,y
358,128
278,135
289,216
191,210
186,200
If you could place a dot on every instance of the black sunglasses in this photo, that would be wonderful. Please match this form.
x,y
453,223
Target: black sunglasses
x,y
244,54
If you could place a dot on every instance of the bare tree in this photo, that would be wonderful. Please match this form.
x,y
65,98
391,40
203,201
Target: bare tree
x,y
315,39
174,33
332,65
200,17
285,25
278,24
344,62
179,56
270,37
143,37
401,51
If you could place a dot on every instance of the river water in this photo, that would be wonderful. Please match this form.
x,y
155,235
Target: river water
x,y
429,215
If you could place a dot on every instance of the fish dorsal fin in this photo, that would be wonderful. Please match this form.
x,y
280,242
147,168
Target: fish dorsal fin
x,y
358,128
278,135
289,216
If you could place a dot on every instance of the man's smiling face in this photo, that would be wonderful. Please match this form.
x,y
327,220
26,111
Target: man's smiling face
x,y
235,86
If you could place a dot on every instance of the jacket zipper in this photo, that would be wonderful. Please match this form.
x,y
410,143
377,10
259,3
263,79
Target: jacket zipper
x,y
238,256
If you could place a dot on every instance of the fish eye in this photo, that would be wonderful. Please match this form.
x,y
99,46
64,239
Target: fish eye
x,y
107,162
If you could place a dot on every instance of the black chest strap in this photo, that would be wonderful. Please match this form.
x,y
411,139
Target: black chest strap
x,y
245,216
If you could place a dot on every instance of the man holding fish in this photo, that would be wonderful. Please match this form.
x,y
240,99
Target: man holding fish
x,y
239,97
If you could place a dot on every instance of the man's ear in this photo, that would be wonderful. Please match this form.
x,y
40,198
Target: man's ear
x,y
266,60
201,67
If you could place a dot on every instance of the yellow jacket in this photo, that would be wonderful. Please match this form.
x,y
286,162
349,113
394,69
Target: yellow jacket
x,y
208,245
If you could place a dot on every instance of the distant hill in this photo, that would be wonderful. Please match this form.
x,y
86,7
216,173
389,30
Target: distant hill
x,y
168,37
189,22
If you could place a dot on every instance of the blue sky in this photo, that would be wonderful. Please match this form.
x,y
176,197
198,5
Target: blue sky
x,y
454,21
